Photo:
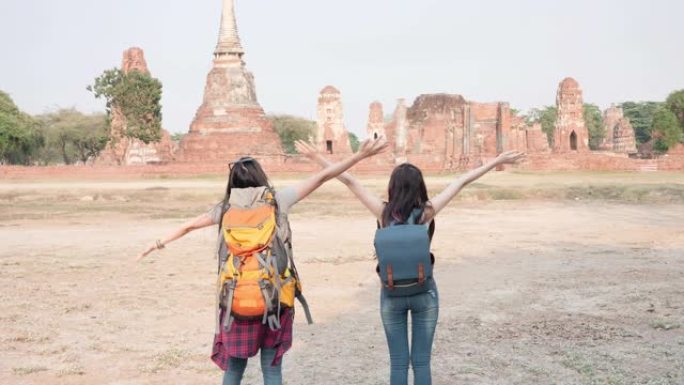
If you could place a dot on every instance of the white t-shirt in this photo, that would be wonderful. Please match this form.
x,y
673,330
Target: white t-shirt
x,y
286,198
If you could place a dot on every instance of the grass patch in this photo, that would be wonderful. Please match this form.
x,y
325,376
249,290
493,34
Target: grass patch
x,y
628,193
167,360
599,370
158,201
29,337
506,194
474,370
71,370
26,370
664,325
661,381
579,363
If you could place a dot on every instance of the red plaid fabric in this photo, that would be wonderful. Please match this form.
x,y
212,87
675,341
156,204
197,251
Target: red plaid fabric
x,y
245,338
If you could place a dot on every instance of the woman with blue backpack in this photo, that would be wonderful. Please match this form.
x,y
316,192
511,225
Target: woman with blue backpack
x,y
258,281
402,245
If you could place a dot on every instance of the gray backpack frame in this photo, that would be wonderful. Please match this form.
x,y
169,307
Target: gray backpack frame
x,y
282,258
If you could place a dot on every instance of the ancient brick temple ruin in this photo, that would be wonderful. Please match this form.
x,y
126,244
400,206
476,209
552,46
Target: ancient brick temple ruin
x,y
396,131
619,132
571,132
528,138
376,121
134,60
437,132
331,135
230,122
122,150
445,131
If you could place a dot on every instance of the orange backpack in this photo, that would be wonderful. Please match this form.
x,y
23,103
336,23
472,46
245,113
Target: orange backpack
x,y
257,276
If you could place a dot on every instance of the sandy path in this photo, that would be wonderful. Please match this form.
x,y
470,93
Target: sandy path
x,y
530,293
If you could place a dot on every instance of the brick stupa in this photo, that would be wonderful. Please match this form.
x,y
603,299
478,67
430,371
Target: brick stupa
x,y
448,132
376,121
122,150
571,132
619,133
230,122
332,136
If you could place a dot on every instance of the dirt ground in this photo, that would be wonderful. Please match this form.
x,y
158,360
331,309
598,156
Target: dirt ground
x,y
543,279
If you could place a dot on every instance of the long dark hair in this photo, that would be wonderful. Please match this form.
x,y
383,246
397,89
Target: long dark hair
x,y
406,192
244,172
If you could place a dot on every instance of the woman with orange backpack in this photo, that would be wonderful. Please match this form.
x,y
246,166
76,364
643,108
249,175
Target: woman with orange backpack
x,y
257,277
402,245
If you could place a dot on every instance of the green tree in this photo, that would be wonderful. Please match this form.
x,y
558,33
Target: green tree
x,y
665,130
354,142
641,114
20,138
138,96
73,136
675,102
292,128
547,117
594,122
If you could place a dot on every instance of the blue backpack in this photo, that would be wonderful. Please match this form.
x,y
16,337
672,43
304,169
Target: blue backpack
x,y
404,261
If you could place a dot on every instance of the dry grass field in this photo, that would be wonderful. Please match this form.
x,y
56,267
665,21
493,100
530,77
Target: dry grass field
x,y
574,278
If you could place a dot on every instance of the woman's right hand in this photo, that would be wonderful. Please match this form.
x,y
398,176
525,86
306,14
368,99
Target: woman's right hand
x,y
307,149
371,147
147,252
510,157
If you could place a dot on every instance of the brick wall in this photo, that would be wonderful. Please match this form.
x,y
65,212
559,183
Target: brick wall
x,y
381,164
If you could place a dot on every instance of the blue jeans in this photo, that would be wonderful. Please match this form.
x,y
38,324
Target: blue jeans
x,y
424,310
272,374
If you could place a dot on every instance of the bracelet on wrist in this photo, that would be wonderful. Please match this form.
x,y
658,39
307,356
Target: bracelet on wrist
x,y
160,245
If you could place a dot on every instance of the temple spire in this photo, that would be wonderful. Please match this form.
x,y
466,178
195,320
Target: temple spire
x,y
229,41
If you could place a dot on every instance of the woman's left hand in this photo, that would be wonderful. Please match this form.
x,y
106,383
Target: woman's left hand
x,y
146,252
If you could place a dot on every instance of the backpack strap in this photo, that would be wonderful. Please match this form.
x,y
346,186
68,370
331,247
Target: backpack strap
x,y
222,252
228,315
415,216
413,219
298,293
271,310
262,260
305,306
227,322
270,190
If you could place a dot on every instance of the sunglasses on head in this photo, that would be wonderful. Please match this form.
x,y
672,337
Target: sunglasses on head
x,y
241,161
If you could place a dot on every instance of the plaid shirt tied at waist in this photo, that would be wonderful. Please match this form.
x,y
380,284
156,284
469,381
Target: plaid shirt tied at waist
x,y
245,338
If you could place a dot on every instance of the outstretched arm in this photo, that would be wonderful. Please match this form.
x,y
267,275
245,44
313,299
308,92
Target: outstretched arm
x,y
371,201
368,148
443,198
194,224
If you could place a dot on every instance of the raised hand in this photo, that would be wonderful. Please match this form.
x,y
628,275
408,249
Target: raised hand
x,y
510,157
371,147
307,149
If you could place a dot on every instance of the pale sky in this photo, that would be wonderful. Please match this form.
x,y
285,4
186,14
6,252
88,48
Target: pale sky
x,y
493,50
